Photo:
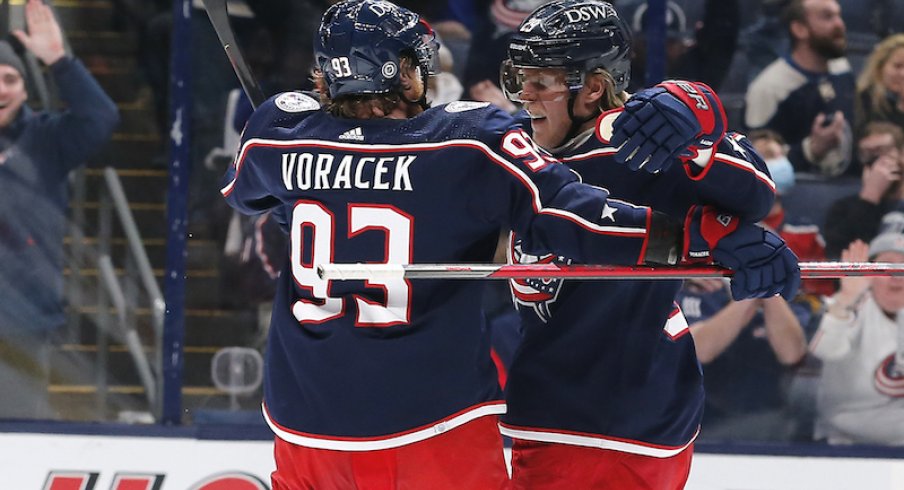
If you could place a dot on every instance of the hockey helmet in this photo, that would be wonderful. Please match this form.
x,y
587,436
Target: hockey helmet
x,y
577,35
359,45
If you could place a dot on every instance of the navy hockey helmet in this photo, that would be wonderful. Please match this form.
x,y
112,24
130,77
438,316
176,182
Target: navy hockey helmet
x,y
577,35
359,45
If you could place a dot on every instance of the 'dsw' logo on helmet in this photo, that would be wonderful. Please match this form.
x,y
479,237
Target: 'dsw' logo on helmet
x,y
538,294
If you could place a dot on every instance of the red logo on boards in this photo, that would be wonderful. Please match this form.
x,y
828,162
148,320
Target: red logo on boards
x,y
82,480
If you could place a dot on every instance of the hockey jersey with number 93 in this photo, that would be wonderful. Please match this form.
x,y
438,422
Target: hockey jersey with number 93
x,y
354,365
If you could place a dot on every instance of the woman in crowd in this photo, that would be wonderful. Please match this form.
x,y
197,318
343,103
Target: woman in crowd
x,y
880,87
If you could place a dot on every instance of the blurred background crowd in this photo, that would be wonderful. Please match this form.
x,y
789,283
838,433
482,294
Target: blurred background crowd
x,y
817,85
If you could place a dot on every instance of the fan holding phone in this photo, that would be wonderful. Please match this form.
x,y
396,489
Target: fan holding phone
x,y
808,96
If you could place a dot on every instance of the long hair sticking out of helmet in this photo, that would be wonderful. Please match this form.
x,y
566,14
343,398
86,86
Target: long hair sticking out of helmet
x,y
361,49
613,98
583,37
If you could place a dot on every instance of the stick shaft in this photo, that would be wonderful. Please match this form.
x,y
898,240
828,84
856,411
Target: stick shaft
x,y
219,17
809,270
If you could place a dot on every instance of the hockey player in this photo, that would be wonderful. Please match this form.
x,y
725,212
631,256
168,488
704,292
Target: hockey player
x,y
386,383
606,391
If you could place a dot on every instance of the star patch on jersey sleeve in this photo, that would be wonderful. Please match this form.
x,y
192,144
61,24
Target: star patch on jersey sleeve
x,y
609,212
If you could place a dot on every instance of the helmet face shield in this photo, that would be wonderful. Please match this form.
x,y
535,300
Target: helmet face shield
x,y
510,81
426,48
541,84
578,36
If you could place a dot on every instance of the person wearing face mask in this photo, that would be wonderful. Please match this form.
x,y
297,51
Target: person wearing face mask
x,y
860,398
804,239
858,216
749,349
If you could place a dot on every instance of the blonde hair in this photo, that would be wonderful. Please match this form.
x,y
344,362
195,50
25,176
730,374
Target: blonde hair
x,y
610,99
870,80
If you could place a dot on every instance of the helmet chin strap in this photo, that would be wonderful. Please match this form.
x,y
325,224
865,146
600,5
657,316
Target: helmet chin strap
x,y
422,100
576,122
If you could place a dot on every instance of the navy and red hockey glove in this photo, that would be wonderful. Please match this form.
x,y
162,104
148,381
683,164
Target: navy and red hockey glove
x,y
673,121
763,264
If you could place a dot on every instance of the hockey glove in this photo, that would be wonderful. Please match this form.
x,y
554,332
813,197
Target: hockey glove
x,y
763,264
673,121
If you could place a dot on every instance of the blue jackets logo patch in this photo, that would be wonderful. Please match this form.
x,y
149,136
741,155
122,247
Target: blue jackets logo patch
x,y
538,294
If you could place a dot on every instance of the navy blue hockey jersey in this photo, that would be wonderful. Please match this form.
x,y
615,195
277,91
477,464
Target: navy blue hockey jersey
x,y
610,364
360,365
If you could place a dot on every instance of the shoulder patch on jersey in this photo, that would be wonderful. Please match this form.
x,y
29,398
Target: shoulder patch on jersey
x,y
296,102
463,105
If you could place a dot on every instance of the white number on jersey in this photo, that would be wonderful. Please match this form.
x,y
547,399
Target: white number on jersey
x,y
518,145
398,228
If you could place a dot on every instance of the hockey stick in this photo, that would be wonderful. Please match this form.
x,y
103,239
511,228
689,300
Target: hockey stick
x,y
219,17
808,270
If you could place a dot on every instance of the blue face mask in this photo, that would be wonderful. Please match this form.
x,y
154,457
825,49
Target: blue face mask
x,y
782,173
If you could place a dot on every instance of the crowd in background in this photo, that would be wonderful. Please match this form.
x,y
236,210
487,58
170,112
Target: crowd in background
x,y
818,85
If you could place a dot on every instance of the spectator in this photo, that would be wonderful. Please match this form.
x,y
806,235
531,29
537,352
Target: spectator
x,y
805,240
807,96
880,87
746,348
892,222
37,152
858,216
745,376
860,399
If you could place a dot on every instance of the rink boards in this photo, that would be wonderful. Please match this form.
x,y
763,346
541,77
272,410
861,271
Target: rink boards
x,y
44,461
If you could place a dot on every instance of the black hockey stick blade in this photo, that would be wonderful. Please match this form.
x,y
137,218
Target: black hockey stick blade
x,y
219,17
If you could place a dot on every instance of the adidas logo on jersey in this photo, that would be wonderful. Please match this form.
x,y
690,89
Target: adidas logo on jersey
x,y
352,134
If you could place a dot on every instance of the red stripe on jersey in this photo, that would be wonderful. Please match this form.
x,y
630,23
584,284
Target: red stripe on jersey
x,y
500,367
387,441
561,436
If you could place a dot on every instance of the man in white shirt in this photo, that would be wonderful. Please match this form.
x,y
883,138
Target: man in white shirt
x,y
861,342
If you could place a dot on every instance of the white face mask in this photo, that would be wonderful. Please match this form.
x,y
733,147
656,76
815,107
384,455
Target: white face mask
x,y
782,173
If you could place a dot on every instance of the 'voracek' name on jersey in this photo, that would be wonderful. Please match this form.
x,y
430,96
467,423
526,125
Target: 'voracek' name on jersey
x,y
305,171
